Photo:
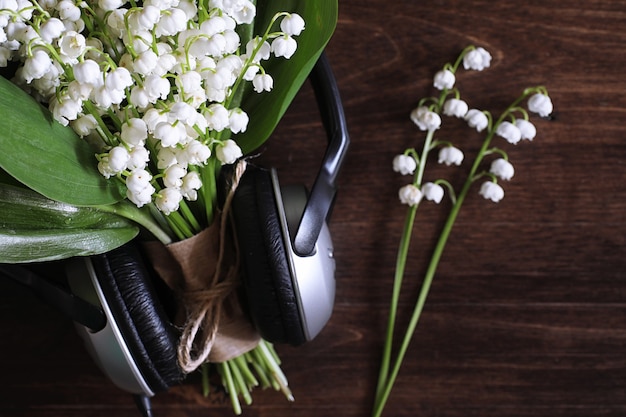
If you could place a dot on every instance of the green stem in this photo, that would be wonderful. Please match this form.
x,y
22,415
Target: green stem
x,y
400,268
141,217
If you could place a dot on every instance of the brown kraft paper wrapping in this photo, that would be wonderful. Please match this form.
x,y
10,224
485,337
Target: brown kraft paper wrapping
x,y
205,278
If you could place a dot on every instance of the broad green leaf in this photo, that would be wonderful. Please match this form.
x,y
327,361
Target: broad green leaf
x,y
34,228
46,156
266,109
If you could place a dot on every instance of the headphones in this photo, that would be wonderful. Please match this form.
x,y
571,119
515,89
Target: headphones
x,y
287,271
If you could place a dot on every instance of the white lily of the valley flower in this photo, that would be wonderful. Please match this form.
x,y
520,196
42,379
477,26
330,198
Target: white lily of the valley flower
x,y
292,25
168,200
84,125
191,185
450,155
262,82
228,152
477,119
510,132
404,164
433,192
72,44
139,157
195,153
173,176
425,119
36,66
540,104
170,134
138,180
502,169
238,120
455,107
51,29
88,72
118,159
410,195
477,59
134,132
527,129
491,191
284,46
444,79
141,197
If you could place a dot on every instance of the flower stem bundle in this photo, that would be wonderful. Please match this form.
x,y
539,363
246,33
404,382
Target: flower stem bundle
x,y
512,125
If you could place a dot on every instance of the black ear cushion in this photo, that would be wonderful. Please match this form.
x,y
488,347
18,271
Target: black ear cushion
x,y
143,322
266,274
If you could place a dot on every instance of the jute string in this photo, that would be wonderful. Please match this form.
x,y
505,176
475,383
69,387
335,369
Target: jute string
x,y
214,328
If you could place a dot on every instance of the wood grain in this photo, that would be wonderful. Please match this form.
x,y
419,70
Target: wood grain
x,y
527,315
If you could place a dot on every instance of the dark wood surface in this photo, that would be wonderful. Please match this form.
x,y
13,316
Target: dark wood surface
x,y
527,314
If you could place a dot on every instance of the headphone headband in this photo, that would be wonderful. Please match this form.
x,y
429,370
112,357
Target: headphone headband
x,y
324,189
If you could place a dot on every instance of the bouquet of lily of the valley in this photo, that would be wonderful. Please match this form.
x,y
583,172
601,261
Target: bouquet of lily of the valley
x,y
118,115
490,167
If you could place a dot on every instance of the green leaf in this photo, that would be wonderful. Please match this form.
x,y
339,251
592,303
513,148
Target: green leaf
x,y
34,228
48,157
266,109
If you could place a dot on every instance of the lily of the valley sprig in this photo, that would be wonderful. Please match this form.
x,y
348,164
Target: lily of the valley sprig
x,y
490,168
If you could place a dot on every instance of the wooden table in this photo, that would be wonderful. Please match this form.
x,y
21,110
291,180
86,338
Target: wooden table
x,y
527,313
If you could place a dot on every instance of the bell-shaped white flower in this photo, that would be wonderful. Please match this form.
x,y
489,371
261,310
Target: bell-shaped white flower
x,y
228,152
410,195
491,191
84,125
292,24
455,107
118,79
526,128
134,132
166,157
433,192
36,66
502,169
68,10
51,29
72,44
450,155
145,62
170,23
284,46
425,119
238,120
195,153
477,59
216,116
168,200
118,158
139,158
191,185
477,119
170,134
141,197
263,52
510,132
444,79
88,72
404,164
173,176
262,82
540,104
138,180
